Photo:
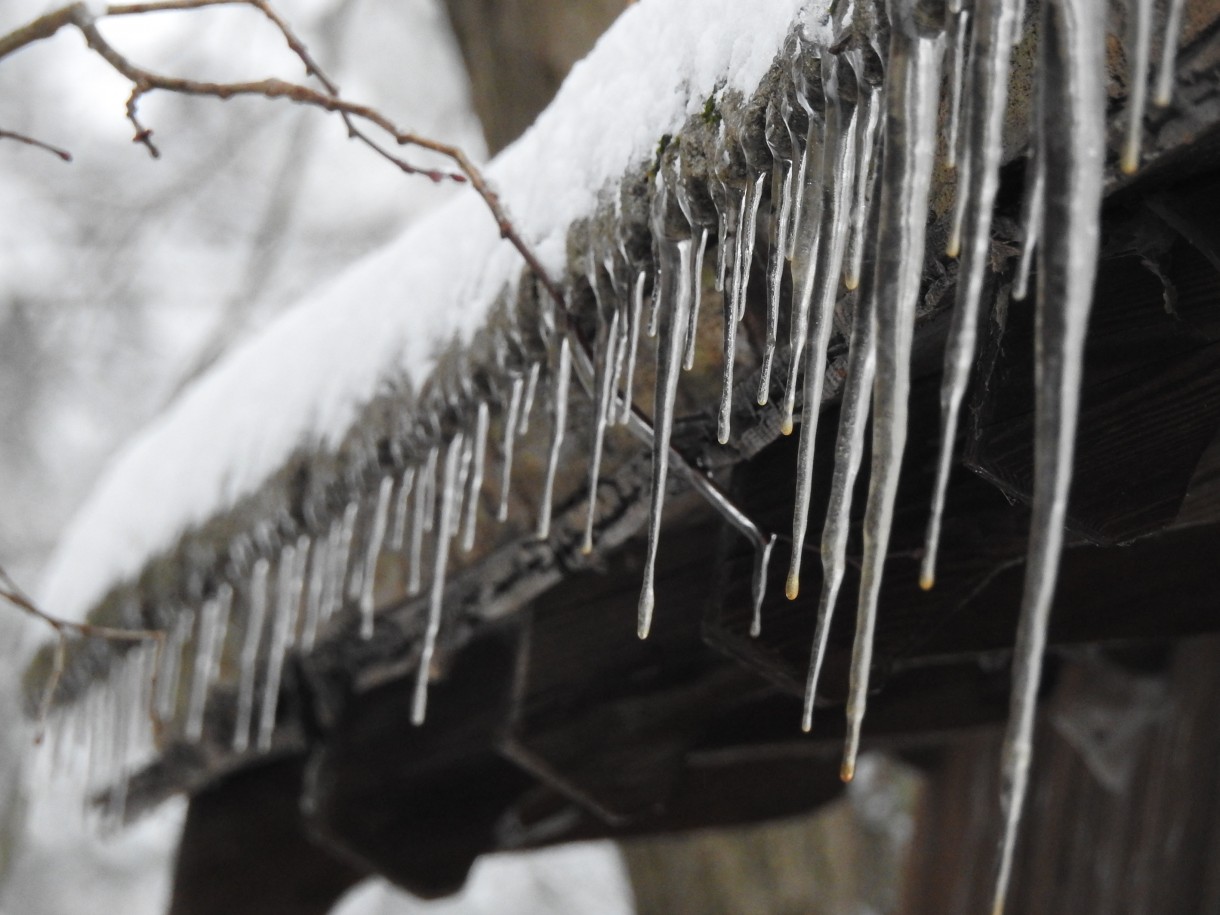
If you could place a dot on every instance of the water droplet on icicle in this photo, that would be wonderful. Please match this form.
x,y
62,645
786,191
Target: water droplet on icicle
x,y
559,412
991,47
248,660
1071,108
912,81
838,81
419,701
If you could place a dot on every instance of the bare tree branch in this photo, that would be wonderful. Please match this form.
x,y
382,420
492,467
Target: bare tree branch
x,y
64,629
30,141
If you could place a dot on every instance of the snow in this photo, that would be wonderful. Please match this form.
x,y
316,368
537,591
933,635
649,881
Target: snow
x,y
302,382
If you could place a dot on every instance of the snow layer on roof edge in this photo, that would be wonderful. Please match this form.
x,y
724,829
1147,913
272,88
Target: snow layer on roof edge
x,y
303,380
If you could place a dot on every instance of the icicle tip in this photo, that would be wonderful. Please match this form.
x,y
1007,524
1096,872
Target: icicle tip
x,y
847,771
1130,162
850,280
926,581
792,587
647,602
786,425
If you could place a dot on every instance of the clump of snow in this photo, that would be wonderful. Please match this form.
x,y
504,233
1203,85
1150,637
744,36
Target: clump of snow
x,y
303,380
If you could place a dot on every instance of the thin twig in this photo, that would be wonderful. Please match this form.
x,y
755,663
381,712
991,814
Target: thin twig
x,y
11,592
31,141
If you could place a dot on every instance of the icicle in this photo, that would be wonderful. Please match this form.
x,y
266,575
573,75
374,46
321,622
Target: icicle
x,y
688,358
166,699
347,570
727,216
398,521
989,69
1169,52
758,584
961,21
1139,18
912,80
1031,220
510,429
839,171
746,257
868,119
559,408
674,296
849,451
1071,107
213,623
448,497
781,201
336,566
804,256
622,340
421,522
478,461
287,603
368,578
527,402
249,654
319,555
601,409
637,311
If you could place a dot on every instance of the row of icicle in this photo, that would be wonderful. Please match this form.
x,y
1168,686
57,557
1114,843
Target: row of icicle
x,y
849,208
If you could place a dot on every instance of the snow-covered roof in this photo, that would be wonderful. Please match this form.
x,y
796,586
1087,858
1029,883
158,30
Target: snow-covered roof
x,y
303,380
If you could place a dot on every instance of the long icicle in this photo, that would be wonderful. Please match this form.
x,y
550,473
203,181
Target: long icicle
x,y
674,299
257,614
1031,218
478,462
425,483
419,701
633,343
849,452
961,22
1169,53
912,81
1139,42
839,172
806,241
868,121
688,358
602,405
287,603
989,69
213,622
734,304
559,422
781,202
372,551
1072,107
510,436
